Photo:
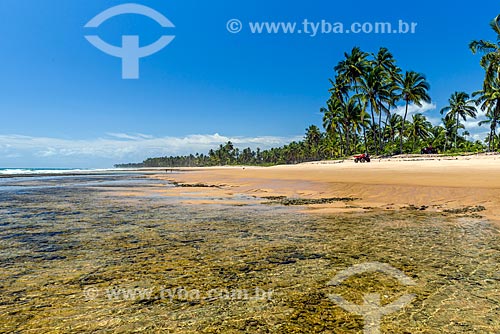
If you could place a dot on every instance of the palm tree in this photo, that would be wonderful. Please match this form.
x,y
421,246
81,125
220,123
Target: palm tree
x,y
353,66
419,129
328,147
393,126
313,138
354,118
450,128
412,89
360,118
385,60
352,69
493,124
489,96
340,87
491,53
489,101
332,120
391,72
438,137
374,90
459,107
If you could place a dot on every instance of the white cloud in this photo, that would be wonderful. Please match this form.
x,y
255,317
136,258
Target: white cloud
x,y
115,148
472,124
481,136
414,109
432,114
127,136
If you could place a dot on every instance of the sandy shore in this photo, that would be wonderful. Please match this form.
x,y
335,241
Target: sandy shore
x,y
432,184
123,253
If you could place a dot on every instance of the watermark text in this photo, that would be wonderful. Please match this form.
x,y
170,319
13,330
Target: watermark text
x,y
322,27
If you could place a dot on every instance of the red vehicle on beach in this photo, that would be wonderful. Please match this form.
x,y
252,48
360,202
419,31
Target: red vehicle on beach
x,y
365,157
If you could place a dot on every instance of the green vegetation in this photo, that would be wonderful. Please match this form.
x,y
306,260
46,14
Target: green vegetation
x,y
361,115
488,98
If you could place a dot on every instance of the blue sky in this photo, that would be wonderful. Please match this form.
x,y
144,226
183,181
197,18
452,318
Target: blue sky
x,y
64,104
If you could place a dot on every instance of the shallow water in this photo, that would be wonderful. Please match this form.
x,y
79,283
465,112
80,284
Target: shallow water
x,y
46,182
76,258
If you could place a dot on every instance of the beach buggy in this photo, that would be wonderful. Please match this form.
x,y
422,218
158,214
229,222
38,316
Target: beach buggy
x,y
365,157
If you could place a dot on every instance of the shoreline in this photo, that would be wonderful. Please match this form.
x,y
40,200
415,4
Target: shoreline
x,y
438,185
74,254
428,183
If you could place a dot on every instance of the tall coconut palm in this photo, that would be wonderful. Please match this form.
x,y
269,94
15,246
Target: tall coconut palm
x,y
340,87
450,127
340,116
386,61
489,101
333,120
438,134
354,118
352,68
312,140
374,89
490,119
393,126
490,60
419,129
313,135
412,88
460,106
329,147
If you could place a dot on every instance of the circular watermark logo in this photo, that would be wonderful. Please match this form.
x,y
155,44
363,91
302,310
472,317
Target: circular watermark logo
x,y
234,26
372,309
91,293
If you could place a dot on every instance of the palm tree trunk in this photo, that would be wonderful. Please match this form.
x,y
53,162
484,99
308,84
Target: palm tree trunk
x,y
348,143
341,144
495,121
456,133
373,129
362,118
381,133
366,142
495,139
385,129
489,141
403,130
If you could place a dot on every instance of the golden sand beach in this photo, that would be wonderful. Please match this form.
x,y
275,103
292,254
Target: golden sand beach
x,y
194,251
434,184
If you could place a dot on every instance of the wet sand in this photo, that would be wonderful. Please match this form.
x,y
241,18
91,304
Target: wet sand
x,y
437,184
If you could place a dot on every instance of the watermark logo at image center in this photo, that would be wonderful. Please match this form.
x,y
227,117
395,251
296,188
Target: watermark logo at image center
x,y
372,309
130,51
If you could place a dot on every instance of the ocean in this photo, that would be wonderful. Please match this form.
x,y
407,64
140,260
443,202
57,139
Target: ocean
x,y
41,171
134,253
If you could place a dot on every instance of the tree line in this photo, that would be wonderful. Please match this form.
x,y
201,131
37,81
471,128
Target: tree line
x,y
361,115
